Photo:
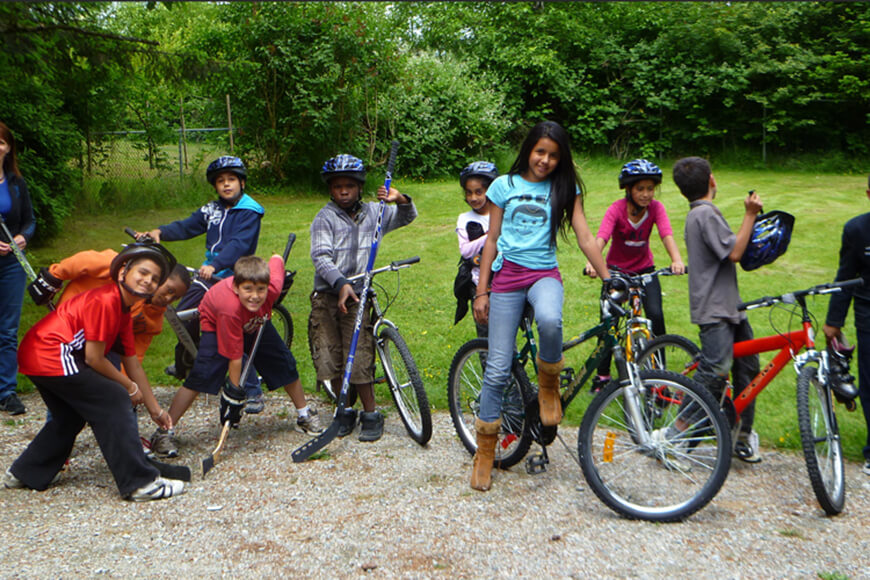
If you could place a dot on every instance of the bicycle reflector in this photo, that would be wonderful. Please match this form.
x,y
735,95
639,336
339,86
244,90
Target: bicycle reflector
x,y
771,235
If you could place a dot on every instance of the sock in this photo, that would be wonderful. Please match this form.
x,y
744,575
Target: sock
x,y
303,412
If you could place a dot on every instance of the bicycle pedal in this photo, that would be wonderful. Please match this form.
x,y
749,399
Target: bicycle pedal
x,y
537,463
380,380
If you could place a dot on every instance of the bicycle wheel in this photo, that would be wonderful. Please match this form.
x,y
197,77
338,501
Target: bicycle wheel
x,y
464,382
644,471
405,384
820,439
283,323
670,352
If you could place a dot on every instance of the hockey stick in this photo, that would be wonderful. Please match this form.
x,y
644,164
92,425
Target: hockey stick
x,y
171,471
19,255
208,462
343,415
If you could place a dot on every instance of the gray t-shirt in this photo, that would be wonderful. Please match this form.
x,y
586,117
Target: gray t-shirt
x,y
713,294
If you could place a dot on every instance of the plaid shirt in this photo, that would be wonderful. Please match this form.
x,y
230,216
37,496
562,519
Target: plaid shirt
x,y
340,245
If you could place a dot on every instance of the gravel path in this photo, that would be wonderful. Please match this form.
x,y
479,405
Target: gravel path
x,y
395,510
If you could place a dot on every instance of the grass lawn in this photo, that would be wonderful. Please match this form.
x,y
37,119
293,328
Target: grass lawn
x,y
424,308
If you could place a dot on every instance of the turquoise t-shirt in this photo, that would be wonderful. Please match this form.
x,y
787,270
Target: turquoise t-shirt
x,y
525,228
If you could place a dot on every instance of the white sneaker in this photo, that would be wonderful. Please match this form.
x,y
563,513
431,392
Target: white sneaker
x,y
866,468
746,448
160,488
673,454
12,482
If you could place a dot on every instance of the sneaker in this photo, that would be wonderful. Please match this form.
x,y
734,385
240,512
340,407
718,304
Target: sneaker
x,y
347,428
309,423
671,450
371,426
255,404
160,488
746,448
599,383
12,482
866,468
13,405
162,444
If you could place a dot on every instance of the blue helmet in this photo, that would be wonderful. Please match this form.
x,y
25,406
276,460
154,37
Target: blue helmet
x,y
770,237
344,166
225,163
634,171
484,169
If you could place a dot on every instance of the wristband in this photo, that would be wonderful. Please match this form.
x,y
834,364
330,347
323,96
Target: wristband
x,y
479,295
135,390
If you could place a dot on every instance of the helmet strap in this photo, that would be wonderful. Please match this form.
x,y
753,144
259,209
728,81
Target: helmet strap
x,y
125,286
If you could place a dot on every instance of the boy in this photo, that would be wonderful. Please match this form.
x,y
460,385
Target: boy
x,y
90,269
65,355
713,294
855,261
231,225
231,313
341,239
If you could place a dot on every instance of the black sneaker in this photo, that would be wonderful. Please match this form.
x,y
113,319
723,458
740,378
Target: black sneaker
x,y
348,422
371,426
13,405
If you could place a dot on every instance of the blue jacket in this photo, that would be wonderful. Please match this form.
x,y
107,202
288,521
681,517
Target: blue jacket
x,y
230,232
20,219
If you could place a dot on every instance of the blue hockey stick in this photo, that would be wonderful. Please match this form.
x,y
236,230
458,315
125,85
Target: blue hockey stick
x,y
341,413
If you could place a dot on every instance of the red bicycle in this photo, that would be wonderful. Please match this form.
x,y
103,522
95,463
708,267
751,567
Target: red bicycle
x,y
817,421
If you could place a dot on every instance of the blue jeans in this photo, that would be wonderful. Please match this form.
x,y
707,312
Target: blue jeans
x,y
505,311
12,281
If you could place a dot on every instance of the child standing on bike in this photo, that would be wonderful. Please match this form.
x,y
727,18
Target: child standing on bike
x,y
231,314
341,239
855,261
630,222
540,197
231,224
714,251
471,229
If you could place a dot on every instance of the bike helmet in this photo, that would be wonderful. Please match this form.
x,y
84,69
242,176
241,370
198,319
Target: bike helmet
x,y
634,171
484,169
344,166
160,255
225,163
770,237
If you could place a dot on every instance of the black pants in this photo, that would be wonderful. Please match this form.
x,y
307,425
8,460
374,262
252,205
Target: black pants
x,y
87,397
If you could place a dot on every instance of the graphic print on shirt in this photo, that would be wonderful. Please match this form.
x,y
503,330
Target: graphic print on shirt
x,y
528,214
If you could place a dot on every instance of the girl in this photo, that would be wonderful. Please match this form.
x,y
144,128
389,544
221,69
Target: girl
x,y
17,211
471,229
540,197
65,355
630,222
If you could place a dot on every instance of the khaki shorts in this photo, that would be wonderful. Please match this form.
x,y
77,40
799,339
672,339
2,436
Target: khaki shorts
x,y
330,333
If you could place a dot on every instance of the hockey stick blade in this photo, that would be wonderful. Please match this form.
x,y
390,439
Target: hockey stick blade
x,y
170,471
304,452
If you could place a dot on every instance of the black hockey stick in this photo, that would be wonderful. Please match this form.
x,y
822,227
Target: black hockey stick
x,y
208,462
343,415
171,471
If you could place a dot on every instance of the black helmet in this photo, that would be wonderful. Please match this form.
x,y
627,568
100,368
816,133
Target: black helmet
x,y
225,163
344,166
483,169
160,255
770,237
639,169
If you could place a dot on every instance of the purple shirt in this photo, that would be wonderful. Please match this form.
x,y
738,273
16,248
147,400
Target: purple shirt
x,y
630,249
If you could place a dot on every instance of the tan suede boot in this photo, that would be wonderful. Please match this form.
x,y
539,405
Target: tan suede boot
x,y
487,436
548,392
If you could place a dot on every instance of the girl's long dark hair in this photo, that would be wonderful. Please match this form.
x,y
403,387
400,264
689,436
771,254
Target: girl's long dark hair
x,y
564,180
10,163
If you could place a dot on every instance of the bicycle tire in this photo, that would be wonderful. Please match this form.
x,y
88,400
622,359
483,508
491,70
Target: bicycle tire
x,y
664,480
283,323
820,440
405,384
464,383
670,352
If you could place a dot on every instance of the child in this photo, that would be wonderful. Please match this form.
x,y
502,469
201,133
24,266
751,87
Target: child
x,y
713,295
90,269
855,261
471,228
630,221
64,354
231,313
231,225
341,239
539,197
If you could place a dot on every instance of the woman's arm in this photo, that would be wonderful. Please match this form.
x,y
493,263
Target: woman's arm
x,y
587,242
487,256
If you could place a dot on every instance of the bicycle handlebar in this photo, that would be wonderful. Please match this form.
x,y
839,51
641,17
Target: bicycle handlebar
x,y
791,297
392,266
